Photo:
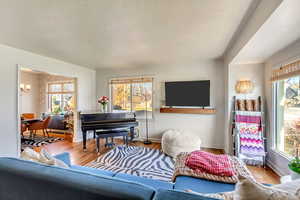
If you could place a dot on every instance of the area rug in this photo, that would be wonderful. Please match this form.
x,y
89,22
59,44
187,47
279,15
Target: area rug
x,y
38,141
138,161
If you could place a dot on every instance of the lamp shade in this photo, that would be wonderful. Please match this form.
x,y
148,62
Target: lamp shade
x,y
244,86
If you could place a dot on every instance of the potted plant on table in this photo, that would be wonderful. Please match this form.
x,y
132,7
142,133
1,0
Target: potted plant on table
x,y
294,166
104,100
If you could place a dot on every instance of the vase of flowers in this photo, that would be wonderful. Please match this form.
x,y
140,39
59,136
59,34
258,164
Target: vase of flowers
x,y
103,101
294,166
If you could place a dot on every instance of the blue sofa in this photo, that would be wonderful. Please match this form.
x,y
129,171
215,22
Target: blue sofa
x,y
25,180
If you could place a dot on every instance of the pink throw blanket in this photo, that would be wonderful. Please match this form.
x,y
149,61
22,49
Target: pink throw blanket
x,y
210,163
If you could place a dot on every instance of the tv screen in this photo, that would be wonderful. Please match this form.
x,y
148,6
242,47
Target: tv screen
x,y
188,93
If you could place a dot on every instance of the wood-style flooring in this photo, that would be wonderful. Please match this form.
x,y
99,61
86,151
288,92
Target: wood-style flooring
x,y
79,157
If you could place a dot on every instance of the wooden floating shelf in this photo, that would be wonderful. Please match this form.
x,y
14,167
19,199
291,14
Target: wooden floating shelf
x,y
189,110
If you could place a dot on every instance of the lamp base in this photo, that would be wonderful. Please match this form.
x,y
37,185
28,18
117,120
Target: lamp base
x,y
147,142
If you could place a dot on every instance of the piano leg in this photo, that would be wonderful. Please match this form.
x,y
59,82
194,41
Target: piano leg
x,y
98,144
84,140
131,133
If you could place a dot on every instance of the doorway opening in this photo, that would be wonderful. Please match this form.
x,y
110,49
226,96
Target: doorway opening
x,y
47,108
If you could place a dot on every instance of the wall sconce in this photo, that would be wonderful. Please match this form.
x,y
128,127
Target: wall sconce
x,y
244,87
25,87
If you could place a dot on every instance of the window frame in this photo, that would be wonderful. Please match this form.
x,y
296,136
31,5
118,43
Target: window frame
x,y
61,93
274,135
131,93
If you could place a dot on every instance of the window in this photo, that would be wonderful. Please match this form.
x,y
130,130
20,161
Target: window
x,y
287,115
61,97
132,95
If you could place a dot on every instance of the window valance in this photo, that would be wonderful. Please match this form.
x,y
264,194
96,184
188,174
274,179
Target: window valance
x,y
287,71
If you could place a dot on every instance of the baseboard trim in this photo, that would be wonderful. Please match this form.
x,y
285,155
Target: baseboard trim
x,y
274,168
141,139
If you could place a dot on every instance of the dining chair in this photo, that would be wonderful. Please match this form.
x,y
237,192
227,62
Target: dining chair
x,y
28,116
23,129
41,125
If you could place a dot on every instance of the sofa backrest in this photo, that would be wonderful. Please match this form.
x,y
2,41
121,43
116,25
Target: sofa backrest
x,y
27,180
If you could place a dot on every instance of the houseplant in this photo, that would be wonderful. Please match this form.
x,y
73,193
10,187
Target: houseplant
x,y
103,101
294,166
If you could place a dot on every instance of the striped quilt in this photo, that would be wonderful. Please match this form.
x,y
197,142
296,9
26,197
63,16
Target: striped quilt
x,y
248,125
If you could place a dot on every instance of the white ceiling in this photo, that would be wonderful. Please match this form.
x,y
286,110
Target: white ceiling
x,y
117,33
279,31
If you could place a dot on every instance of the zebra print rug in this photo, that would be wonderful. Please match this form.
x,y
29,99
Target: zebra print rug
x,y
38,141
139,161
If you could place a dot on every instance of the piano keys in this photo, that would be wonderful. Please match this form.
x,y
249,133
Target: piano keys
x,y
95,121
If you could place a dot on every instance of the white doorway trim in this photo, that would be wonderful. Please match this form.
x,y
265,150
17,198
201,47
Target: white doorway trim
x,y
18,119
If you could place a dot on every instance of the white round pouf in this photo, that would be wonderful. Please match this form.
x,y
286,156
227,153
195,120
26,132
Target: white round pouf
x,y
174,142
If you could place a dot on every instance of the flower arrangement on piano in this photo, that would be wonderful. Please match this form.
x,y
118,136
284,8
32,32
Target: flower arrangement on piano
x,y
104,100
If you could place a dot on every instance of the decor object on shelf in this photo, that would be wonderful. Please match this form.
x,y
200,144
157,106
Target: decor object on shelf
x,y
244,86
174,142
104,100
294,166
188,110
25,87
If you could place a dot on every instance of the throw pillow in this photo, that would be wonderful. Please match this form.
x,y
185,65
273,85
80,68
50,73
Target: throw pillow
x,y
43,157
249,190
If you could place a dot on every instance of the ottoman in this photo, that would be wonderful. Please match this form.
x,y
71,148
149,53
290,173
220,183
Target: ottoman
x,y
176,141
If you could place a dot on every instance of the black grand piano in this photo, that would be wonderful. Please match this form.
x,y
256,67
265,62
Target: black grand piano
x,y
104,123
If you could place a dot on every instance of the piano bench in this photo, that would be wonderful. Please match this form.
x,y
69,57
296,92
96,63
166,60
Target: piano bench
x,y
111,134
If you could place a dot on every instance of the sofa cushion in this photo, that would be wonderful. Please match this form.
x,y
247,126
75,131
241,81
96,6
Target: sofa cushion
x,y
93,170
178,195
27,180
201,185
157,184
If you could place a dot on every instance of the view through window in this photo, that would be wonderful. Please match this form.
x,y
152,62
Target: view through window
x,y
61,97
287,109
132,95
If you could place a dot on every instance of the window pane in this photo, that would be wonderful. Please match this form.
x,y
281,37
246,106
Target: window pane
x,y
121,97
142,99
55,103
68,87
68,102
288,115
55,88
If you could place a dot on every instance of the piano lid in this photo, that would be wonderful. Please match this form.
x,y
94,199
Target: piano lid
x,y
89,112
97,115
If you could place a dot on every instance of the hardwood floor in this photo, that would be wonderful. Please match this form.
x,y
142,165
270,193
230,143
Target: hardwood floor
x,y
79,157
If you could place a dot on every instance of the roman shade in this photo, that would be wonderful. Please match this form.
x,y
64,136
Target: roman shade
x,y
131,80
287,71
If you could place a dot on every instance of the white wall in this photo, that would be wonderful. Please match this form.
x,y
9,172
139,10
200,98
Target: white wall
x,y
284,56
30,100
208,127
236,72
10,57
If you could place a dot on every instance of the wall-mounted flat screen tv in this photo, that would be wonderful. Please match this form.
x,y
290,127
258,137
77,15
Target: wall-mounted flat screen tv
x,y
188,93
